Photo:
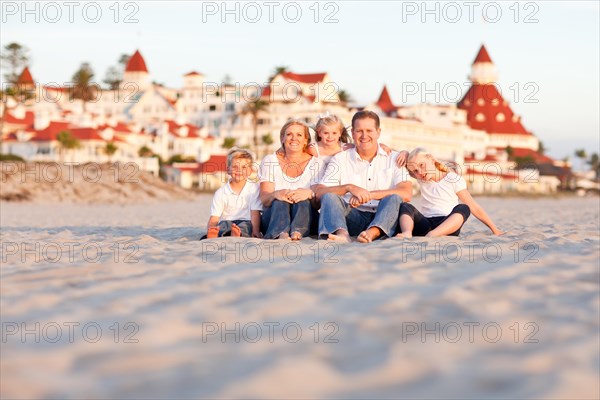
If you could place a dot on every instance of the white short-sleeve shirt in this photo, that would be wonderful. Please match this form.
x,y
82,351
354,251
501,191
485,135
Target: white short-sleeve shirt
x,y
270,171
230,206
439,198
381,173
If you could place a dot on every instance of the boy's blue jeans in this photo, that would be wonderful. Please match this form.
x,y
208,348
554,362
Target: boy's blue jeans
x,y
283,217
337,214
244,225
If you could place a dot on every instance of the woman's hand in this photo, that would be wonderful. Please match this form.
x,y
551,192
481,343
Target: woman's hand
x,y
402,158
282,195
299,195
257,234
312,149
497,232
347,146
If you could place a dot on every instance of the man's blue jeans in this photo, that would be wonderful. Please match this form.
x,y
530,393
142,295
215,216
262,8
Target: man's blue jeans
x,y
337,214
283,217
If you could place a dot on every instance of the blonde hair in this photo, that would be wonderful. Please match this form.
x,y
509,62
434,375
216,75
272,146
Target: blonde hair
x,y
237,153
421,151
292,122
332,120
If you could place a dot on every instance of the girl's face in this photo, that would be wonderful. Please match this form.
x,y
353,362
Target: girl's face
x,y
330,134
422,167
295,139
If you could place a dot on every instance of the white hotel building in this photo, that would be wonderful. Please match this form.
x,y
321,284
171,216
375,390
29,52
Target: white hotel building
x,y
193,121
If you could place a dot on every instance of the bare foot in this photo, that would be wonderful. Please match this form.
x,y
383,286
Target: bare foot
x,y
296,236
404,235
342,238
284,236
235,230
369,235
213,232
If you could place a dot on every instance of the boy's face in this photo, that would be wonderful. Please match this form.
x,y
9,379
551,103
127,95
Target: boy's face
x,y
240,169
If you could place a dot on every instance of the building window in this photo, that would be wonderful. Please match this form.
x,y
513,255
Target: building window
x,y
480,117
500,117
212,107
480,102
230,107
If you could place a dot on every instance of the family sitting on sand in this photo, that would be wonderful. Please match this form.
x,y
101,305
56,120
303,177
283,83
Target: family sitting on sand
x,y
337,190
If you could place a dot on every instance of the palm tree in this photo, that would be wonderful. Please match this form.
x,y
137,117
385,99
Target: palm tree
x,y
267,141
510,151
582,155
228,143
84,88
145,151
344,97
67,141
110,149
14,58
594,163
254,108
280,69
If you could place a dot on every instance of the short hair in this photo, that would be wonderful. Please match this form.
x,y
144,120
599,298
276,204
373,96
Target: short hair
x,y
237,153
332,120
364,115
292,122
438,165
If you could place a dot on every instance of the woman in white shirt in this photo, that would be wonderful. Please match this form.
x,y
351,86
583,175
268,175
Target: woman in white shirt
x,y
286,178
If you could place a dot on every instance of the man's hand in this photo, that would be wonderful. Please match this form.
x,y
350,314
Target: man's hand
x,y
362,195
354,202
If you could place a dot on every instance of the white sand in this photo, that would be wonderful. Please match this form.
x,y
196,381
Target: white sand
x,y
178,290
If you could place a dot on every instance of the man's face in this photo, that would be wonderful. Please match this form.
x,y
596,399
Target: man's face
x,y
365,135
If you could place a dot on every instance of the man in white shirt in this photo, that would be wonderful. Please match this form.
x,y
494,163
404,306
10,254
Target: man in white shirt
x,y
362,189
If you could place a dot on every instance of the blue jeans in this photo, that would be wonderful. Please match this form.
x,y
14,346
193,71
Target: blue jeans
x,y
283,217
337,214
244,225
225,228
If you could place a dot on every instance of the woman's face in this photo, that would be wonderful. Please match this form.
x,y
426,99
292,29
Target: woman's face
x,y
294,139
330,134
422,167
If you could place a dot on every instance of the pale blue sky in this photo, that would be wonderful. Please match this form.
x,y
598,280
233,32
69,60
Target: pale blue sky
x,y
369,45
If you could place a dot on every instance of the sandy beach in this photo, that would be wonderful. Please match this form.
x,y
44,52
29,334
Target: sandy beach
x,y
123,301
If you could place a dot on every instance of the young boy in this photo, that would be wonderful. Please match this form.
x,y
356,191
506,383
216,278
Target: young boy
x,y
235,209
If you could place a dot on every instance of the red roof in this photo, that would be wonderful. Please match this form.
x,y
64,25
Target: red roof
x,y
304,78
50,132
385,102
174,129
482,56
216,163
25,78
136,63
471,171
487,102
537,157
193,73
86,134
27,121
